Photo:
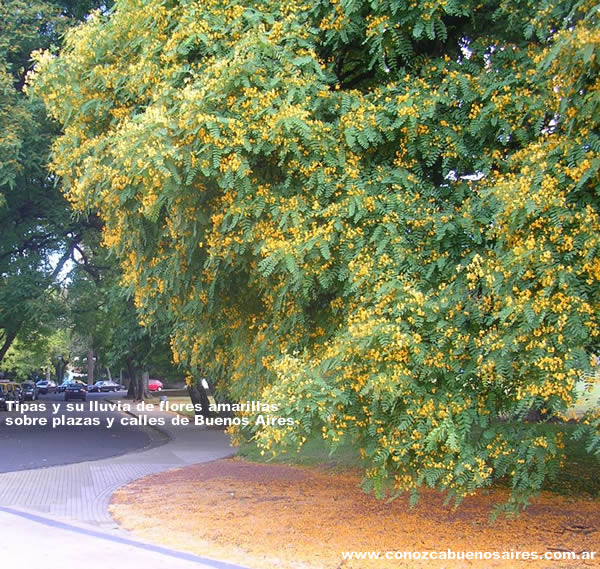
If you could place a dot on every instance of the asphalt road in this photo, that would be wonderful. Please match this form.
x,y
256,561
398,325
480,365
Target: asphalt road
x,y
36,446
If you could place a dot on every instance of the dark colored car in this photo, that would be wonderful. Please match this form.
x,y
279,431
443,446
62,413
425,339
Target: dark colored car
x,y
106,386
30,391
75,390
46,386
61,388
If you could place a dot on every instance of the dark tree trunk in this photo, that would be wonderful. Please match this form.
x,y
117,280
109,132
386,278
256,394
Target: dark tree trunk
x,y
144,378
131,387
141,386
90,366
59,368
198,396
10,338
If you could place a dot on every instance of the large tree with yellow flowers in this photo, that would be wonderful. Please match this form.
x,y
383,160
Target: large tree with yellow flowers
x,y
381,215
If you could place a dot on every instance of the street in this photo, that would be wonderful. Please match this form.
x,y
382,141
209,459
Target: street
x,y
35,446
68,504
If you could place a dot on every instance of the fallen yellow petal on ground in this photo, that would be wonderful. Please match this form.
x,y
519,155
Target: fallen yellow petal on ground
x,y
278,516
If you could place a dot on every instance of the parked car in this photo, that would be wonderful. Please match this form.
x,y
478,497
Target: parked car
x,y
30,390
46,386
104,386
155,385
9,391
109,386
75,390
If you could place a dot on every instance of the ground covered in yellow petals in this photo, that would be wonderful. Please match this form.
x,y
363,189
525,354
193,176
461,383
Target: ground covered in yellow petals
x,y
278,516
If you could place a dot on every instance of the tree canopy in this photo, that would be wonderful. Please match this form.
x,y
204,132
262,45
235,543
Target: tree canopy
x,y
39,234
103,316
381,215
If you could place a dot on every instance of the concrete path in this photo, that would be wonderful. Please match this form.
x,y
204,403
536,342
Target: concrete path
x,y
71,503
30,541
82,491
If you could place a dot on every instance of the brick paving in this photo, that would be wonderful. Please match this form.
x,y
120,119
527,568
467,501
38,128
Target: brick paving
x,y
81,491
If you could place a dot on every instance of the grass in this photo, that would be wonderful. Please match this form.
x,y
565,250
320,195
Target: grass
x,y
179,400
314,452
577,478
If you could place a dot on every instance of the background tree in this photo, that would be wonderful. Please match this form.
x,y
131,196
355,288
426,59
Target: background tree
x,y
38,358
39,234
382,216
105,320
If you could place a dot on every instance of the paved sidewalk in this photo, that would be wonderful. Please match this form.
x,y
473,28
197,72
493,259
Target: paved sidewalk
x,y
57,517
30,541
82,491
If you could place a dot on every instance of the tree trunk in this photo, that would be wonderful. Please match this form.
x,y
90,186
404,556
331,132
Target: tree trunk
x,y
60,371
108,373
131,387
198,396
59,368
10,338
90,365
143,385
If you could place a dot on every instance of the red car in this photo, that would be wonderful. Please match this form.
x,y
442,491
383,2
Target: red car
x,y
155,385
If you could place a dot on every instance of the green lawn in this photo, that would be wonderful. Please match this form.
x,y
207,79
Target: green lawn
x,y
178,400
578,478
313,452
